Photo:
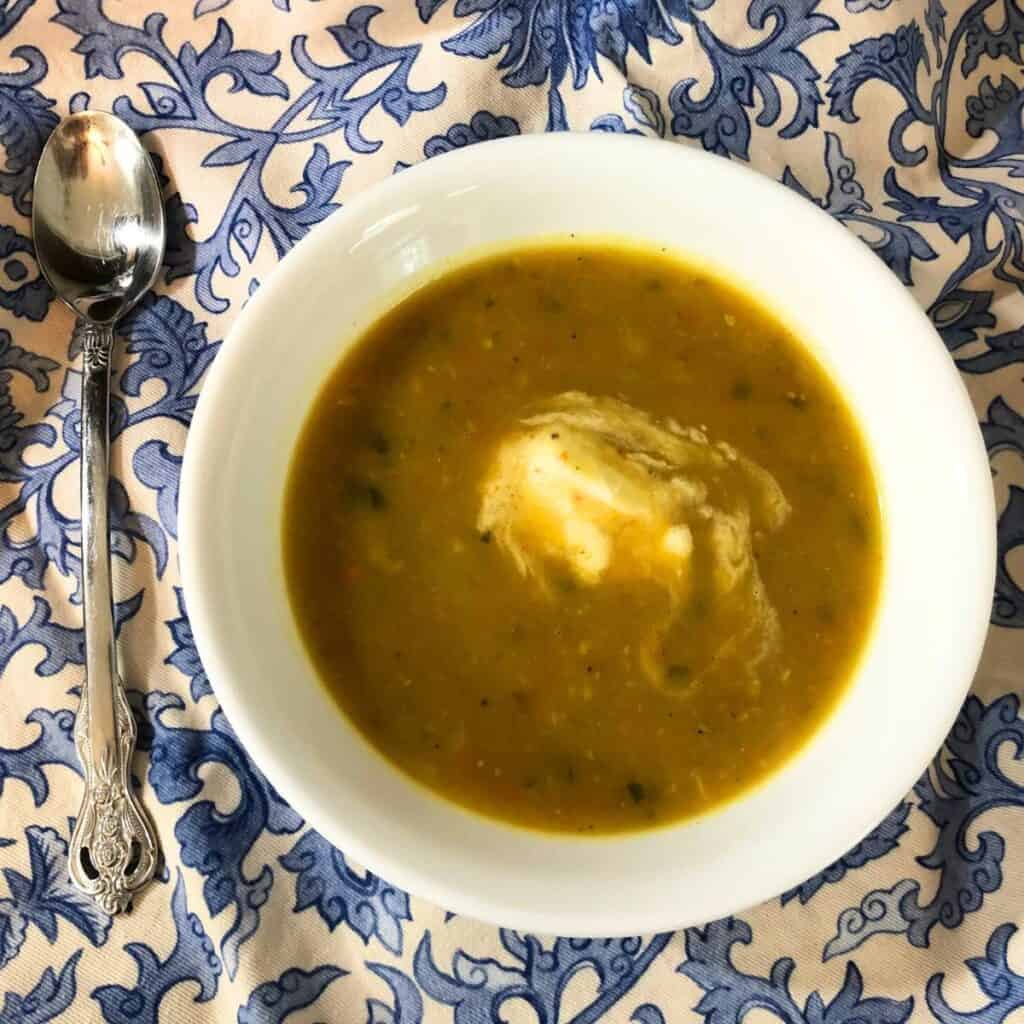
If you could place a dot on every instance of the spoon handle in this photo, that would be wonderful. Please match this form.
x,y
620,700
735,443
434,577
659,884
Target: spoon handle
x,y
113,847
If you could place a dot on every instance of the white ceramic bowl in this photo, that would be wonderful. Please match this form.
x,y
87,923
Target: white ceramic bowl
x,y
932,474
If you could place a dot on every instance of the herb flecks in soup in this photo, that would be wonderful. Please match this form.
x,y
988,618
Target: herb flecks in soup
x,y
582,538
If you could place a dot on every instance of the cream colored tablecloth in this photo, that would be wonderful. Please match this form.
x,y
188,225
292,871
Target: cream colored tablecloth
x,y
899,117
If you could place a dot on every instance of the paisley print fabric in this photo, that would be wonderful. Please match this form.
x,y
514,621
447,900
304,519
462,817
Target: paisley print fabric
x,y
901,118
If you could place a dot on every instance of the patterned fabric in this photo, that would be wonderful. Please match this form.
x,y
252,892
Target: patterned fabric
x,y
901,118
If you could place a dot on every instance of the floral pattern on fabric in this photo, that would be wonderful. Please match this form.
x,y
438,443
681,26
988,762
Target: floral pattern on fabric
x,y
900,118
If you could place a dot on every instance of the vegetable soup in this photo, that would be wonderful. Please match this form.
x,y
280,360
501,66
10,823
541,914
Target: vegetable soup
x,y
583,538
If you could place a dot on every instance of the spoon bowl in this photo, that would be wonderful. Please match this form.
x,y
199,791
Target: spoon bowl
x,y
97,216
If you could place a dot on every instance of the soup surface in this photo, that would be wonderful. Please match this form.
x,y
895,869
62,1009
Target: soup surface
x,y
582,538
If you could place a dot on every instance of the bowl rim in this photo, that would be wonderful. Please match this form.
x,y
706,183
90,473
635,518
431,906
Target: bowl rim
x,y
406,870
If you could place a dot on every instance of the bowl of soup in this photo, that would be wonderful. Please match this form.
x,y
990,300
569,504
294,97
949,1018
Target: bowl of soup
x,y
587,558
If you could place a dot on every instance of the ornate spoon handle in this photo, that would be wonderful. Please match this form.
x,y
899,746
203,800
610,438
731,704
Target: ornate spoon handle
x,y
113,847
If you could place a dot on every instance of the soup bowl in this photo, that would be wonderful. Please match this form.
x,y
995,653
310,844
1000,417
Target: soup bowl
x,y
861,324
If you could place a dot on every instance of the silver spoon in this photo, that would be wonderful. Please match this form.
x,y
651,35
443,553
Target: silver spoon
x,y
98,227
